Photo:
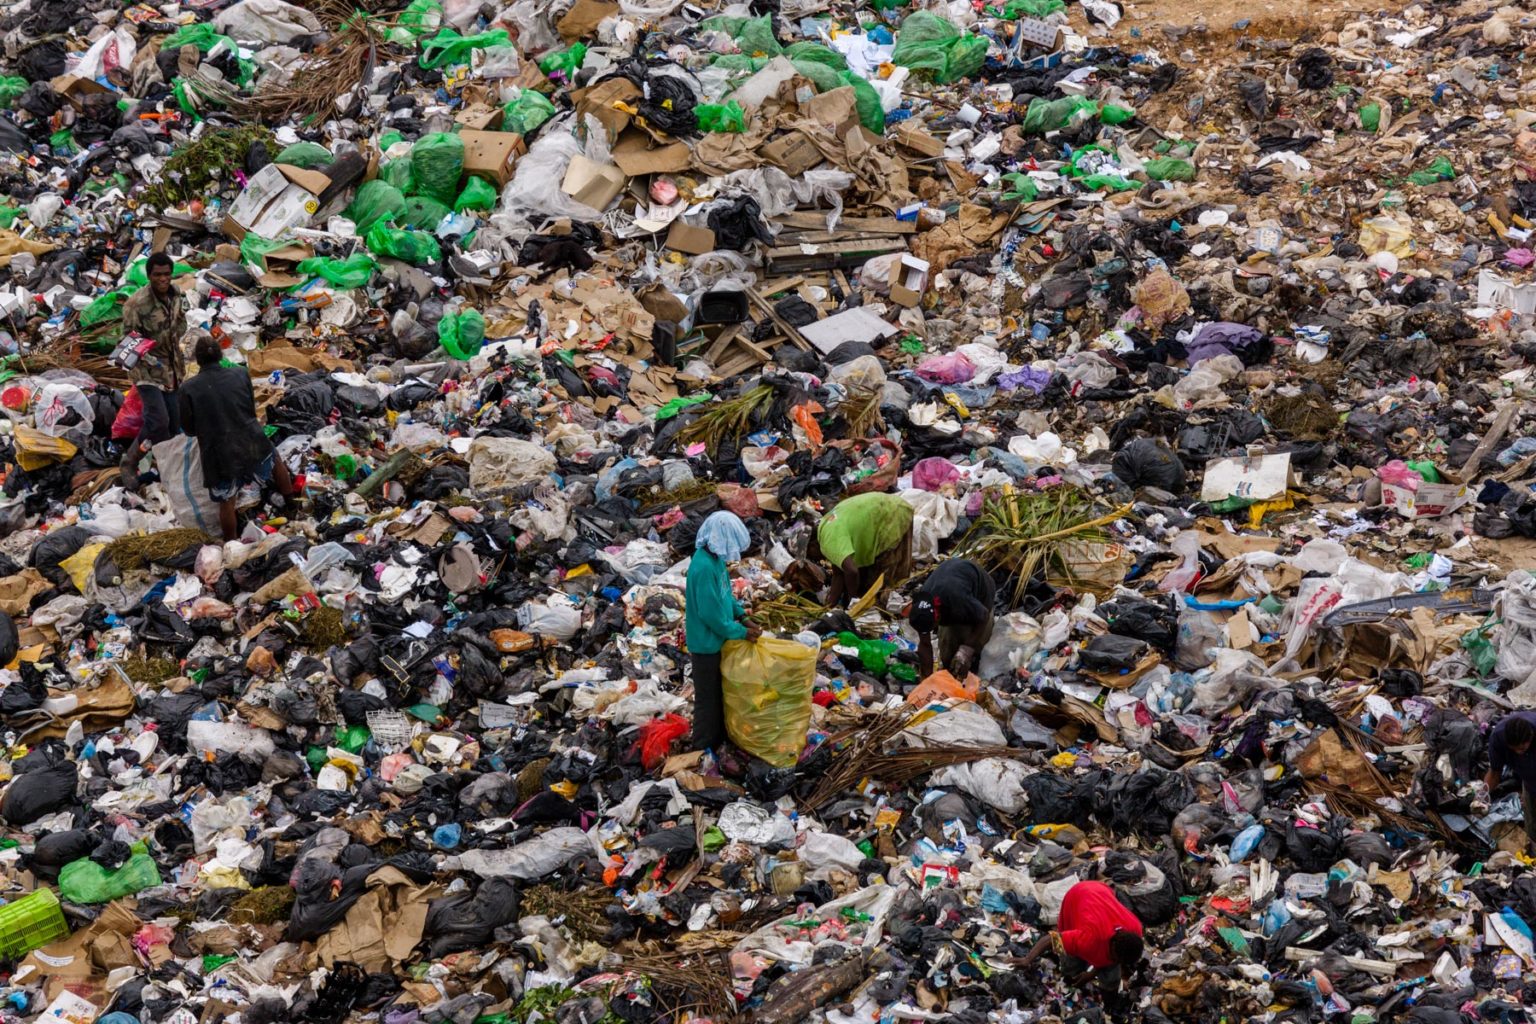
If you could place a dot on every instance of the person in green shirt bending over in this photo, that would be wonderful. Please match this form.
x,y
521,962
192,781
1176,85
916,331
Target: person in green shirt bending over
x,y
864,537
712,617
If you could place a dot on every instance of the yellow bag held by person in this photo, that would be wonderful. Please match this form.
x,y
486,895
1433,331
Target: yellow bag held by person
x,y
767,686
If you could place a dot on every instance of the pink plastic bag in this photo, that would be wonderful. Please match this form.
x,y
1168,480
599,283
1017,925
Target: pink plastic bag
x,y
932,474
129,418
952,368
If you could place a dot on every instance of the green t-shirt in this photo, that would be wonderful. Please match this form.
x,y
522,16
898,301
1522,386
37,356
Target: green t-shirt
x,y
865,526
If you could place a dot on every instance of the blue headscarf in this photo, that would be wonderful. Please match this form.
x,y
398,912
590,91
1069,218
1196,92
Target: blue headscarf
x,y
723,535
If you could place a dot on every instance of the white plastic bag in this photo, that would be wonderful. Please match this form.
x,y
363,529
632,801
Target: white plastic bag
x,y
114,50
527,862
1015,639
181,474
266,21
54,404
1516,636
995,781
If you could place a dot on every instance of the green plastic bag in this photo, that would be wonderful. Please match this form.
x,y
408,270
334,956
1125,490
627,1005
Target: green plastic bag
x,y
105,307
1046,115
461,333
448,47
721,117
376,201
254,248
525,113
816,53
420,18
478,194
567,62
1370,116
739,62
388,139
867,101
1021,187
1031,8
1170,168
396,173
422,213
1111,114
352,272
352,738
1441,170
414,247
437,164
756,38
825,79
1097,179
307,155
205,38
933,46
766,684
85,881
11,88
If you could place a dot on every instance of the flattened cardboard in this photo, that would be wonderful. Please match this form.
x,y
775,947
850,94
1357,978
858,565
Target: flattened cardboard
x,y
492,155
635,156
687,238
837,109
1257,479
581,21
599,101
593,184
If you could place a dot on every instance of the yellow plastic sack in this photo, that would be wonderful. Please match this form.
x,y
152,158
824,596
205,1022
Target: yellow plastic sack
x,y
35,449
81,564
767,686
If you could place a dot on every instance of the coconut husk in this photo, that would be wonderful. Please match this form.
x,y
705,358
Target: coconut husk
x,y
138,550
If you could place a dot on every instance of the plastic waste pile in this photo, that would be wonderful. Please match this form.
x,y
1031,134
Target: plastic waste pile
x,y
1207,334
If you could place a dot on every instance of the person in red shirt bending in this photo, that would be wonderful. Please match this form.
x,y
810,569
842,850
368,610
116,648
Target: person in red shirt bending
x,y
1096,937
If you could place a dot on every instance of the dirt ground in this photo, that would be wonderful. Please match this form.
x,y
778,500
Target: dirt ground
x,y
1221,16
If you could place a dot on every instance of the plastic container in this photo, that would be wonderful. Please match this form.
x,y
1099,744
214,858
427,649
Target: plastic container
x,y
391,730
31,923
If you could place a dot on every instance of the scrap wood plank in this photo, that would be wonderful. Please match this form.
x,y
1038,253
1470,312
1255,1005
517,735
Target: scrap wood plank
x,y
1501,423
789,330
792,259
722,343
807,220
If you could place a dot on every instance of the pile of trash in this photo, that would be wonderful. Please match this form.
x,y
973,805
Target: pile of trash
x,y
1206,337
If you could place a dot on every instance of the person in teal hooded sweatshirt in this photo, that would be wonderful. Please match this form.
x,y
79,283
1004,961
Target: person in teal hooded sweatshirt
x,y
712,618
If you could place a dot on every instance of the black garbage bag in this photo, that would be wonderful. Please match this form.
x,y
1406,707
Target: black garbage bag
x,y
738,223
1113,653
1367,848
465,920
1142,887
1157,623
164,625
1148,463
26,694
317,911
55,547
1312,849
42,790
57,849
1053,798
355,400
1314,69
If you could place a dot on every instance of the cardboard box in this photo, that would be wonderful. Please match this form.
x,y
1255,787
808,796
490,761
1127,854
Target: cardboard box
x,y
593,184
492,155
277,199
692,240
912,136
794,153
480,117
909,280
1428,501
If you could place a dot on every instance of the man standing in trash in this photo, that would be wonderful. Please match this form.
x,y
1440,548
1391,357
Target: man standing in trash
x,y
1512,745
865,537
158,311
218,407
956,599
711,618
1096,937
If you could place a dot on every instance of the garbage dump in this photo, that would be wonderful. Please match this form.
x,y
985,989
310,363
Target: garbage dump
x,y
628,511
